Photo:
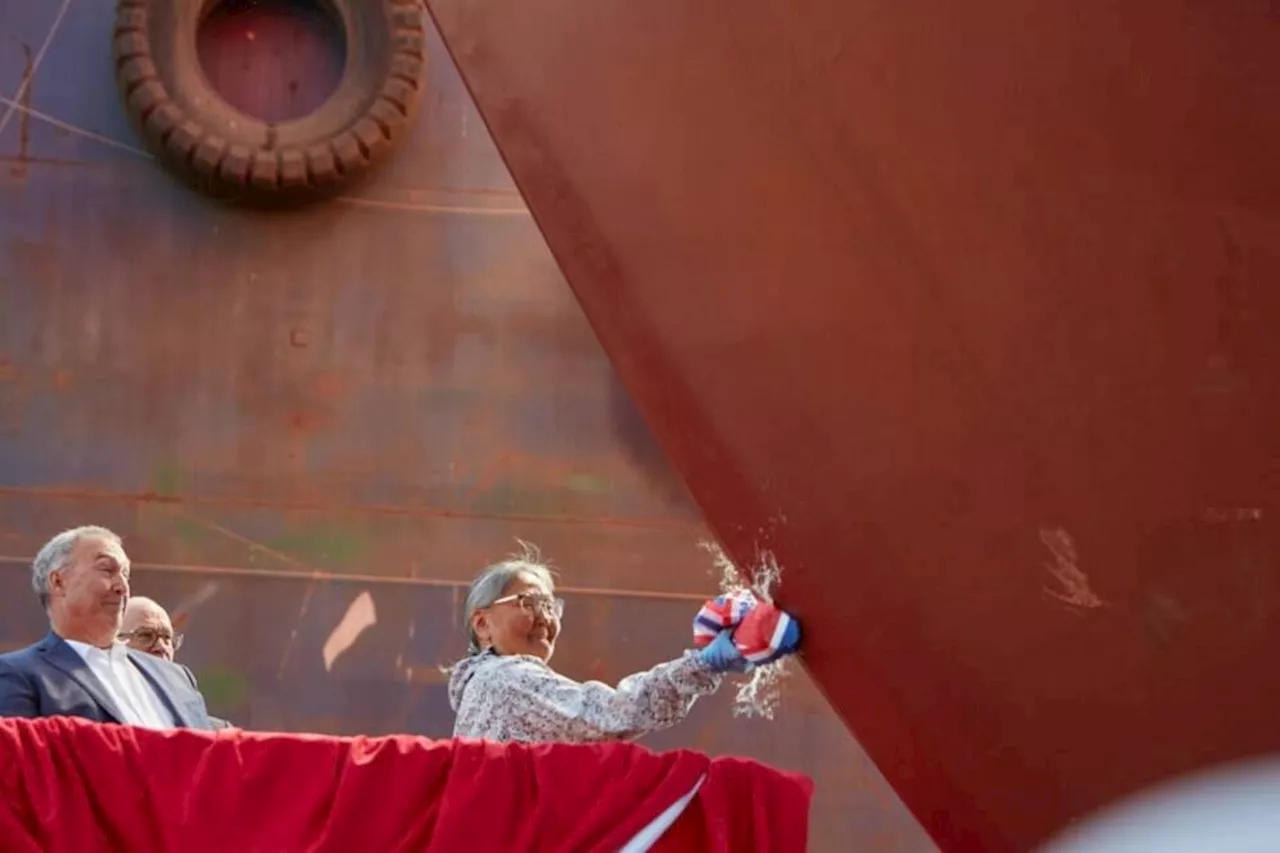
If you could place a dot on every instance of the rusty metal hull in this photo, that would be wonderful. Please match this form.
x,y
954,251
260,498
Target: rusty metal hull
x,y
282,413
966,313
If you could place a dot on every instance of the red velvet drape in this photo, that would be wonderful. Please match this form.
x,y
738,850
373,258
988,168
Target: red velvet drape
x,y
74,786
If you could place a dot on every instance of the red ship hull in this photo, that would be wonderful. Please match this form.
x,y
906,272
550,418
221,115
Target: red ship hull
x,y
964,314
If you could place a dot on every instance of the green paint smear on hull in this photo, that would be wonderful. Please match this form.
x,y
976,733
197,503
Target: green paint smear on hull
x,y
166,479
327,545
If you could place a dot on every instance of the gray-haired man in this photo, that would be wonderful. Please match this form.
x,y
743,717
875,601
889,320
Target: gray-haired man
x,y
79,669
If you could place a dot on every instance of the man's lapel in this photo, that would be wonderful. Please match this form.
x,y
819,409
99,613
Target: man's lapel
x,y
149,668
58,653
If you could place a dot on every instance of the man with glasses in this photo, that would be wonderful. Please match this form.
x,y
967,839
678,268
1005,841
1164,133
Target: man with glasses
x,y
146,627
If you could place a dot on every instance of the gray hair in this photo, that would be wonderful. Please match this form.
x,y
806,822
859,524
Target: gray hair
x,y
492,580
55,554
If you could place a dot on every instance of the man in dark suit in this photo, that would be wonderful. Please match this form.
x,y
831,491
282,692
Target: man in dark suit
x,y
80,669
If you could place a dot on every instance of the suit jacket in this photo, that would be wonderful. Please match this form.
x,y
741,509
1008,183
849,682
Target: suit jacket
x,y
50,679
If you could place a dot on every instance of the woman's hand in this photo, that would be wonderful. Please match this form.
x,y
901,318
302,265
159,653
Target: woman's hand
x,y
721,655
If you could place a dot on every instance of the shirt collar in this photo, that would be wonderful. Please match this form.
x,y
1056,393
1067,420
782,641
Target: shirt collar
x,y
117,652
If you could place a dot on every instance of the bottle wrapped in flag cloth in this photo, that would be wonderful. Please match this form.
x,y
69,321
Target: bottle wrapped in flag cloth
x,y
762,632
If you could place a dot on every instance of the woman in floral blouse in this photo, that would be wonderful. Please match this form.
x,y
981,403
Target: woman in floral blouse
x,y
505,691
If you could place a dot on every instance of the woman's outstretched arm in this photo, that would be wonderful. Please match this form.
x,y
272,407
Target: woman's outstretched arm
x,y
520,698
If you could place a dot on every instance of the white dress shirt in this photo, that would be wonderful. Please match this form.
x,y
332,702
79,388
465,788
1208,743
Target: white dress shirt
x,y
126,685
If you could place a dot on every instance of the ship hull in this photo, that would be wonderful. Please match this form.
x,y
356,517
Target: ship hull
x,y
966,316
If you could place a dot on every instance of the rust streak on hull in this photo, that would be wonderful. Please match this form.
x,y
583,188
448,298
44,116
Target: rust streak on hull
x,y
309,506
374,580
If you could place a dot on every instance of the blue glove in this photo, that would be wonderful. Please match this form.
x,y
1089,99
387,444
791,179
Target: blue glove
x,y
721,655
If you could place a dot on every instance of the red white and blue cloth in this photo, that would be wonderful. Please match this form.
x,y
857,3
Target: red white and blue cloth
x,y
762,632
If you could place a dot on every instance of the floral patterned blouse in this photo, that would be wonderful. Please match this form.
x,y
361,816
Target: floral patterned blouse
x,y
520,698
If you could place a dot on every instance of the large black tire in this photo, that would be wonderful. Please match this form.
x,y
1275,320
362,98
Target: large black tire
x,y
223,152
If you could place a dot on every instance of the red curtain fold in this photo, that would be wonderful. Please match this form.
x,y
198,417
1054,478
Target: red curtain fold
x,y
75,786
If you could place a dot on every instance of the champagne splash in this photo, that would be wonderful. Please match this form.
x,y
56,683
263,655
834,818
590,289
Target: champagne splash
x,y
760,694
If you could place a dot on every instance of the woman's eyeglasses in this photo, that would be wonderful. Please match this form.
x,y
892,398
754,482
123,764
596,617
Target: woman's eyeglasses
x,y
535,602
